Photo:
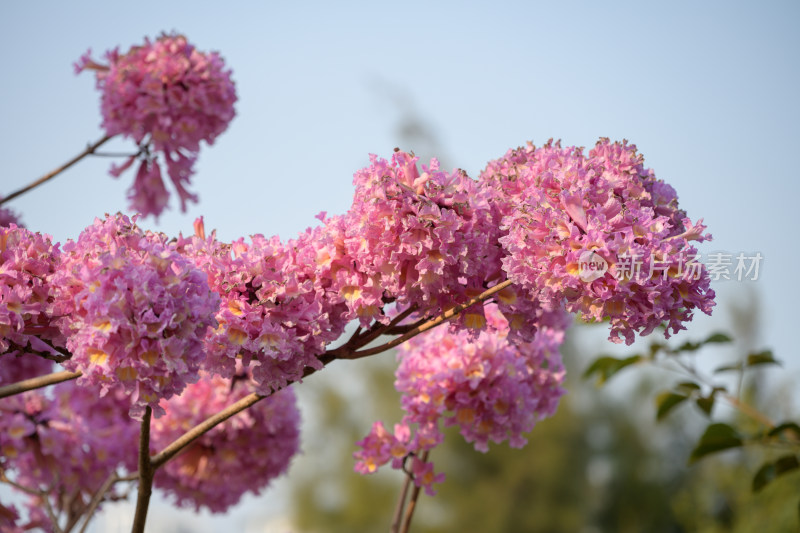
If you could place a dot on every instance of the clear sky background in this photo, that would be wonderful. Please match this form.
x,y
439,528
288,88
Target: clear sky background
x,y
707,91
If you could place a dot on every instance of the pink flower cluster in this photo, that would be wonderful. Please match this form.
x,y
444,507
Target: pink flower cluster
x,y
27,265
560,206
277,310
427,240
167,96
243,454
492,389
65,441
134,312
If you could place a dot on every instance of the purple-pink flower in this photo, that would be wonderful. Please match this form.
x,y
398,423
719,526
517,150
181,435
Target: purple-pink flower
x,y
28,262
8,217
564,211
241,455
427,239
492,389
134,311
277,309
64,440
167,96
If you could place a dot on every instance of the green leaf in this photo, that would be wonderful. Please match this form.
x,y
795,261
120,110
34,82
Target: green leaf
x,y
770,470
764,475
688,346
715,338
787,463
762,358
605,367
688,387
716,438
718,338
655,348
785,426
706,404
727,368
667,401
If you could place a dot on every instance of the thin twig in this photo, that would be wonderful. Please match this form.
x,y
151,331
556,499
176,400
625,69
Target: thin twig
x,y
430,324
412,503
37,383
748,410
98,497
401,503
22,488
146,474
52,174
405,328
366,339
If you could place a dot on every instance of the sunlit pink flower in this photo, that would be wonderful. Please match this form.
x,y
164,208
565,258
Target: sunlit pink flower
x,y
598,235
134,311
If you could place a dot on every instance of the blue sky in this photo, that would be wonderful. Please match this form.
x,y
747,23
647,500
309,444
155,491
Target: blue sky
x,y
707,91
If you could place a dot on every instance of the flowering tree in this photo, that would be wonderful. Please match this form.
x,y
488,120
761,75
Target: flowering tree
x,y
162,339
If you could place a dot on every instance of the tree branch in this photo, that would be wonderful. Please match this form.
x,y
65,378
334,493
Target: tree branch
x,y
430,324
52,174
412,503
146,473
37,383
98,497
401,503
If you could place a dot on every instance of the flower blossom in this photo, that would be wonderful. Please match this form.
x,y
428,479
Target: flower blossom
x,y
65,440
277,310
167,96
134,311
599,235
241,455
28,263
425,239
492,389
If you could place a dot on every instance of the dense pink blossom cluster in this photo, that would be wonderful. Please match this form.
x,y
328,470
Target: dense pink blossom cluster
x,y
562,209
135,312
167,96
28,262
492,389
65,441
425,239
277,310
243,454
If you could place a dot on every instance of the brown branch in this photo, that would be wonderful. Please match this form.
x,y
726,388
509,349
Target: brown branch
x,y
412,503
98,497
197,431
37,383
371,335
190,436
405,328
430,324
749,410
146,473
401,503
52,174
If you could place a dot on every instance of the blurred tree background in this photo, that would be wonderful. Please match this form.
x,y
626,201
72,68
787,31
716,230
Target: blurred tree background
x,y
601,464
